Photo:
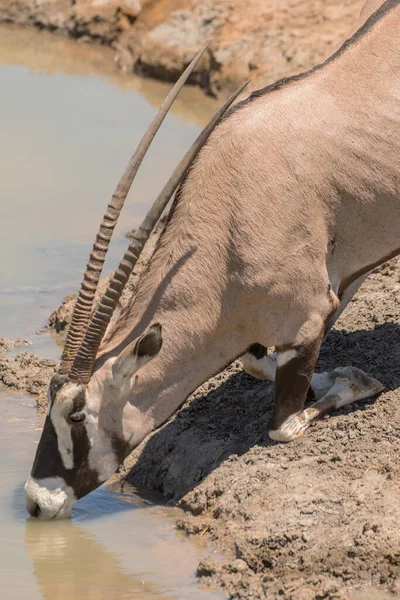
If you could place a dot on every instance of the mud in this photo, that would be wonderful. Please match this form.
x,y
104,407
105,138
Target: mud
x,y
6,344
28,373
315,519
261,40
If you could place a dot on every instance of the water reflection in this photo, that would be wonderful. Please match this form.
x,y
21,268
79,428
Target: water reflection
x,y
68,562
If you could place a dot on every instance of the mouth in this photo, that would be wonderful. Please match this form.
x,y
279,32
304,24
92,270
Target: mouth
x,y
36,512
62,513
49,498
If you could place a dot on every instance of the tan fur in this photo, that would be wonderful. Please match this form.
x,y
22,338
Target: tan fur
x,y
368,9
293,200
297,188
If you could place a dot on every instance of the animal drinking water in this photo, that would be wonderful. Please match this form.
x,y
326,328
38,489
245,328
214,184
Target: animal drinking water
x,y
287,206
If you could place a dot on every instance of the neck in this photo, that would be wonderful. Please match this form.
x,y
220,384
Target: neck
x,y
185,288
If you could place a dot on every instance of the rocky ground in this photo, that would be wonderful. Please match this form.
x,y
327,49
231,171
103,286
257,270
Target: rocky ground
x,y
259,39
316,519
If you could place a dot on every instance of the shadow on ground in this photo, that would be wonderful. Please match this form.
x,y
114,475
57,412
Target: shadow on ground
x,y
230,414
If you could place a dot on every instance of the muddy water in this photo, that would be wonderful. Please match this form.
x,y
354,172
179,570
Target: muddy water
x,y
117,545
69,122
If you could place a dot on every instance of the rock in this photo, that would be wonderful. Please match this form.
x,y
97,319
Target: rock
x,y
7,343
28,373
60,318
239,565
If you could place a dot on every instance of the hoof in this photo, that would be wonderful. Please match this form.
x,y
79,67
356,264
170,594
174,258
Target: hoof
x,y
292,429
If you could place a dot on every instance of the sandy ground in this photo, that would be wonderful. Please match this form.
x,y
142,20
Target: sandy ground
x,y
315,519
258,39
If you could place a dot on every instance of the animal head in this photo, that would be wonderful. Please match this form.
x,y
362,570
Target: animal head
x,y
90,427
83,441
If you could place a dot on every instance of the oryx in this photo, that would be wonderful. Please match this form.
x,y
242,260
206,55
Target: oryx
x,y
289,204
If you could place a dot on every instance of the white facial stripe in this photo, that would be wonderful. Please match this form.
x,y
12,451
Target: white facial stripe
x,y
101,457
284,357
52,494
60,408
64,439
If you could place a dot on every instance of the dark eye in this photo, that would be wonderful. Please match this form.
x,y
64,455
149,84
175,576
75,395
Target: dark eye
x,y
77,417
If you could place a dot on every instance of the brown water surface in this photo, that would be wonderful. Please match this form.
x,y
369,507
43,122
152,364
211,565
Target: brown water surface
x,y
69,122
117,546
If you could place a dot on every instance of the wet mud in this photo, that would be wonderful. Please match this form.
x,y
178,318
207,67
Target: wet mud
x,y
316,519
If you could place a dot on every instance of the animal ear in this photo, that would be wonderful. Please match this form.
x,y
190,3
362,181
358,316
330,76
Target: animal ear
x,y
138,353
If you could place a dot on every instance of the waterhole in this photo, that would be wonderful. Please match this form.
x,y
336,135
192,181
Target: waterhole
x,y
69,122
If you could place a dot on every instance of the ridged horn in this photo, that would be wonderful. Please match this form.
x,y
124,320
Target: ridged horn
x,y
85,358
84,303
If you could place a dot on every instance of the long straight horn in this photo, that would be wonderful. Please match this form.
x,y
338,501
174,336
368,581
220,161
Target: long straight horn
x,y
84,304
83,364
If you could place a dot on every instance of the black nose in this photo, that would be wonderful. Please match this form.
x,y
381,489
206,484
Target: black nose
x,y
34,509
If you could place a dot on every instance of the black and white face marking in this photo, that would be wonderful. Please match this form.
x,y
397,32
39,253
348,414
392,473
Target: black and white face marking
x,y
74,456
85,437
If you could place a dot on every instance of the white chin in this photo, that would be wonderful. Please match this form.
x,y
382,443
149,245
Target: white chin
x,y
52,495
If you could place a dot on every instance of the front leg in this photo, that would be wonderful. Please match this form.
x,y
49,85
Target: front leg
x,y
342,386
260,364
294,369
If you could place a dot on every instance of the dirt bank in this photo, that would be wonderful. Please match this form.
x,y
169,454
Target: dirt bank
x,y
6,344
315,519
261,39
28,373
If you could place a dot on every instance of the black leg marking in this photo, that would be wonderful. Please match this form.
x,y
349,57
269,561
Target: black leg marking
x,y
292,383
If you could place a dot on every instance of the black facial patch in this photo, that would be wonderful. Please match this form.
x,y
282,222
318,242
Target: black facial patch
x,y
120,447
56,383
48,461
79,401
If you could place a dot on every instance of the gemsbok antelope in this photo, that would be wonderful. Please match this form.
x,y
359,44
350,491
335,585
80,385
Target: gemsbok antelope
x,y
281,212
